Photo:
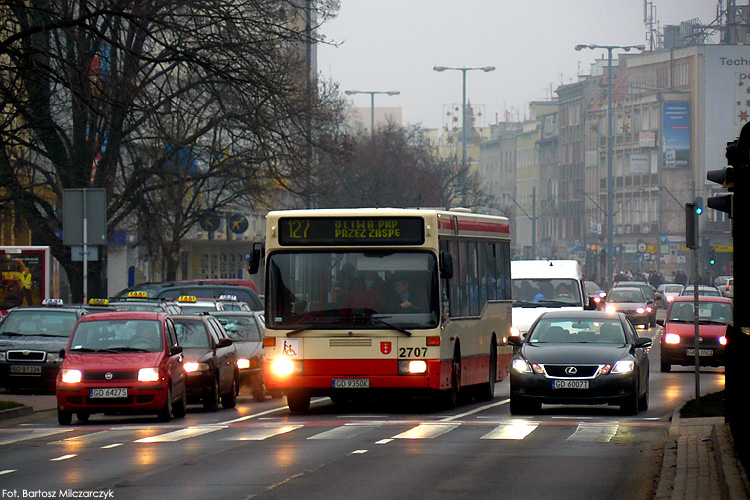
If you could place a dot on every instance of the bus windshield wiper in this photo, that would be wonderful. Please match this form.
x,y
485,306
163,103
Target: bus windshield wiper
x,y
390,325
308,326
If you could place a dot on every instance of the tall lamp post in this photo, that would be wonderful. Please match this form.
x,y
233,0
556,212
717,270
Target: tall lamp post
x,y
610,141
372,103
463,70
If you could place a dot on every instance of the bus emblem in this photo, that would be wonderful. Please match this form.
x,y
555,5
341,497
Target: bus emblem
x,y
385,347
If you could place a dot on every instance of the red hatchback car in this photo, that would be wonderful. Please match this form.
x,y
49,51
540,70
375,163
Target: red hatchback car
x,y
678,335
122,362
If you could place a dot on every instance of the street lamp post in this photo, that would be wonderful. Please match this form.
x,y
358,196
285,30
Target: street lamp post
x,y
610,146
372,103
463,70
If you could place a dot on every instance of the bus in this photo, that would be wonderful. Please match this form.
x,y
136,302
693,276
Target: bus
x,y
339,324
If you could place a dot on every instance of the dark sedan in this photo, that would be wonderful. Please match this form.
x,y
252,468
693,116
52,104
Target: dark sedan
x,y
580,357
246,329
210,361
631,302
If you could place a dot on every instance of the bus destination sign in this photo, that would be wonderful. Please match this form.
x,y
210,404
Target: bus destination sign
x,y
351,231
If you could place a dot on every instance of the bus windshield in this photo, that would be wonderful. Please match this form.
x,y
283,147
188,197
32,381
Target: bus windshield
x,y
373,289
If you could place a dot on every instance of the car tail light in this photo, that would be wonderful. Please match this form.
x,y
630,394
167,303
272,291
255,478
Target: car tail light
x,y
723,340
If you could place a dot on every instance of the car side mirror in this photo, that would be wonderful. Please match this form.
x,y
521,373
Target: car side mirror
x,y
224,343
515,340
643,342
175,349
660,322
592,305
61,353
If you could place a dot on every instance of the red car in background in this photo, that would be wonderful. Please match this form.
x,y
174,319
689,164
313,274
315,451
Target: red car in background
x,y
678,334
125,362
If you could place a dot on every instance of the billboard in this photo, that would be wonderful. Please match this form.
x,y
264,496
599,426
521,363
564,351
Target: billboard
x,y
25,275
727,101
676,134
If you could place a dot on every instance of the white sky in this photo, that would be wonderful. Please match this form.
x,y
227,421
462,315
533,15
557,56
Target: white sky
x,y
393,45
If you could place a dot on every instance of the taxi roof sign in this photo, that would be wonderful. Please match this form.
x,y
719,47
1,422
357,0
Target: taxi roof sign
x,y
98,302
52,302
138,295
228,298
187,298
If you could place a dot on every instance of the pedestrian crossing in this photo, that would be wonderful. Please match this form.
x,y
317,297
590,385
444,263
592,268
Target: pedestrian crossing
x,y
383,432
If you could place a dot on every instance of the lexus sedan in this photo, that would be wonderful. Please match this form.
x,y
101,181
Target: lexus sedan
x,y
580,357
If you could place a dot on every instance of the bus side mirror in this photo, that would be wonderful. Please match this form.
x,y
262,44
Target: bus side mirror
x,y
255,258
446,265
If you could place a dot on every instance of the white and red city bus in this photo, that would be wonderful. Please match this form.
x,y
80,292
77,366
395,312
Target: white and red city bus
x,y
370,301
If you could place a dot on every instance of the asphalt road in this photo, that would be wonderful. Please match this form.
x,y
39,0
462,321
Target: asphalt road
x,y
374,450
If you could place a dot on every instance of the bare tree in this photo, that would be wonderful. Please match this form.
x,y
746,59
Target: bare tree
x,y
396,167
115,94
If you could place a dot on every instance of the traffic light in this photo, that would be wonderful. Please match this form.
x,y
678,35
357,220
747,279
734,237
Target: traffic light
x,y
712,256
737,157
691,225
698,205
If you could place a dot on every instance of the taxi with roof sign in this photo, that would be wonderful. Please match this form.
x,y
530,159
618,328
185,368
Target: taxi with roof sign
x,y
191,304
140,301
31,338
230,303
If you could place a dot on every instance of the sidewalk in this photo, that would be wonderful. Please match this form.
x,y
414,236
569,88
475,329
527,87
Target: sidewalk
x,y
699,460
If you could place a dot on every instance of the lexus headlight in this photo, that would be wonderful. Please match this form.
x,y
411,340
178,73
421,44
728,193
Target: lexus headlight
x,y
624,366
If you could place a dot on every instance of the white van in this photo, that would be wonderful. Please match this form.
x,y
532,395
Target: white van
x,y
545,285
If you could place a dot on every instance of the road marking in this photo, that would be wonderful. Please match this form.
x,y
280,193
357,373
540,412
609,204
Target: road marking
x,y
7,471
359,452
261,433
384,441
24,435
181,434
517,430
110,446
475,410
346,431
426,431
593,432
64,457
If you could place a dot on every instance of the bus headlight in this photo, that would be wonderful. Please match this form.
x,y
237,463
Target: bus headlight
x,y
283,367
412,367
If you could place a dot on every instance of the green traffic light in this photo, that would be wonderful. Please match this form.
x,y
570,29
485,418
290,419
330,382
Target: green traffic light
x,y
698,210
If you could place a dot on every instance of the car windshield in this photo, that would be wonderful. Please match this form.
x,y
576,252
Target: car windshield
x,y
48,323
625,295
543,291
709,312
139,335
191,333
672,288
347,290
706,291
243,328
646,289
571,331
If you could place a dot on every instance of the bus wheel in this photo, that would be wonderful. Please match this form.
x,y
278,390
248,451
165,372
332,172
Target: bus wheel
x,y
450,397
486,392
298,401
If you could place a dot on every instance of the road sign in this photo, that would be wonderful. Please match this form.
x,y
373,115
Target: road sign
x,y
95,201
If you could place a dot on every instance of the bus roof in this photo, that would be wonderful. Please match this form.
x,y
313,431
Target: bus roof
x,y
537,269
